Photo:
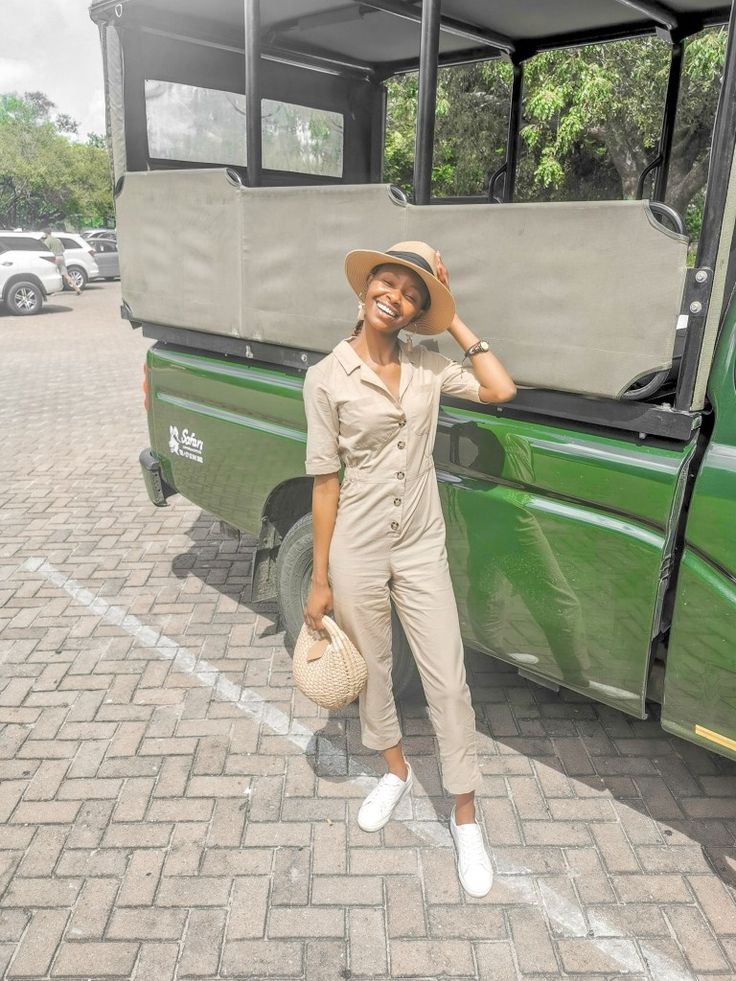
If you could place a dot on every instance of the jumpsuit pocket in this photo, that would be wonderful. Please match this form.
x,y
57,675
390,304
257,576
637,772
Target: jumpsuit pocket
x,y
422,408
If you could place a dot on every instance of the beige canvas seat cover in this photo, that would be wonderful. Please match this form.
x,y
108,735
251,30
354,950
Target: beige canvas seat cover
x,y
579,296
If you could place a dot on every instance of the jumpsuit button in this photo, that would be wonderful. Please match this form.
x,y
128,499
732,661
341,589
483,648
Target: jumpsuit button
x,y
401,444
402,422
400,475
397,501
394,525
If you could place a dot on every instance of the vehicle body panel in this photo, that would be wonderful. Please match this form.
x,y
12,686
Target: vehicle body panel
x,y
106,256
557,539
700,681
80,253
16,262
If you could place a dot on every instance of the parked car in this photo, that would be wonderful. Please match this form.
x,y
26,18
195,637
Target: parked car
x,y
106,256
92,233
28,273
80,258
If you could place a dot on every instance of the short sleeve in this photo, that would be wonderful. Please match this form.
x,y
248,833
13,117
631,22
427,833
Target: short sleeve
x,y
459,382
322,427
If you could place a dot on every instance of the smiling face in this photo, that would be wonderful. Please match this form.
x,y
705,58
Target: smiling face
x,y
394,297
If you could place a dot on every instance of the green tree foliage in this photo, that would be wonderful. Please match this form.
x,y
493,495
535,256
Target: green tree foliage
x,y
44,175
591,122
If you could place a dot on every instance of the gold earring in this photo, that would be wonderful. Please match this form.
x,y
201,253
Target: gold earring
x,y
361,306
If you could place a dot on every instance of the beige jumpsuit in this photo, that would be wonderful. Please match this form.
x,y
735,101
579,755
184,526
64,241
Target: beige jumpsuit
x,y
389,538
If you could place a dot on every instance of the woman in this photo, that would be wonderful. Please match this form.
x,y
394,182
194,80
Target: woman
x,y
372,406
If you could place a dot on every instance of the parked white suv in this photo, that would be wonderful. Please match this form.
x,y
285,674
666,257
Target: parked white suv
x,y
79,256
28,273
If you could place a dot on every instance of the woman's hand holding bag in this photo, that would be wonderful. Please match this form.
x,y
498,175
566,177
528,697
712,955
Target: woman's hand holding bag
x,y
319,602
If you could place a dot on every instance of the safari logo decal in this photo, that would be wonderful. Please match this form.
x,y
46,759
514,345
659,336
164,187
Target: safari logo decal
x,y
186,444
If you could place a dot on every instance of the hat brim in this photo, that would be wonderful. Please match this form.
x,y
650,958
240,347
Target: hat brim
x,y
358,266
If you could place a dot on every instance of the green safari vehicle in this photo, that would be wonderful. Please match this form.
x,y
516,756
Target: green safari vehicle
x,y
591,523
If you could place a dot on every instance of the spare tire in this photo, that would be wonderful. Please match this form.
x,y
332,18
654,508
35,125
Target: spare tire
x,y
293,574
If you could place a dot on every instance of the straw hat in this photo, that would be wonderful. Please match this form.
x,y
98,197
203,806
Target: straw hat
x,y
422,260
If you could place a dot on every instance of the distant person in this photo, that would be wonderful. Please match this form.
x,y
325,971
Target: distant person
x,y
53,243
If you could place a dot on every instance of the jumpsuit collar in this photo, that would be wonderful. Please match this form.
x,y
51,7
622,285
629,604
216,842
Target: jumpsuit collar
x,y
346,355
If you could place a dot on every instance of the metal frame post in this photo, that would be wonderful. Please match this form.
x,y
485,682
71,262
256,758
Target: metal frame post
x,y
699,283
668,120
254,140
512,140
426,101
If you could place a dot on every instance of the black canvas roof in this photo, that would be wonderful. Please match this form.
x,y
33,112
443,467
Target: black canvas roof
x,y
384,33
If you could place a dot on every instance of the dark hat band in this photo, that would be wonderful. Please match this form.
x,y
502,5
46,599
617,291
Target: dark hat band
x,y
415,259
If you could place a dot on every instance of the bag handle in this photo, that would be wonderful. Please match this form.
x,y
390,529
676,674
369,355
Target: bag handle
x,y
319,646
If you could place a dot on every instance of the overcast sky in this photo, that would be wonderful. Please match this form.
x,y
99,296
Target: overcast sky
x,y
52,46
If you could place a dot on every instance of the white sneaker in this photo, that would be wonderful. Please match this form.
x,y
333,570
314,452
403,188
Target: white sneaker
x,y
380,803
473,864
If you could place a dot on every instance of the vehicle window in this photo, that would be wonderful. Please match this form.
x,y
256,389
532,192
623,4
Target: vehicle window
x,y
69,243
200,125
28,244
301,139
470,128
591,120
696,108
186,122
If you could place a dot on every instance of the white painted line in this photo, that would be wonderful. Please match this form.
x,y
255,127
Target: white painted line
x,y
567,916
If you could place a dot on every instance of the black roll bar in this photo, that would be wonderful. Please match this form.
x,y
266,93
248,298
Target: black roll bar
x,y
512,140
253,145
652,165
699,283
668,119
507,170
661,162
654,11
448,24
426,101
493,180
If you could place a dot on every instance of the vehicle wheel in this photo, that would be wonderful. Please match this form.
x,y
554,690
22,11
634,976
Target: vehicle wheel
x,y
293,572
78,276
24,299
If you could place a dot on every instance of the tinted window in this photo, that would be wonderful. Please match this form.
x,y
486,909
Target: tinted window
x,y
24,244
69,243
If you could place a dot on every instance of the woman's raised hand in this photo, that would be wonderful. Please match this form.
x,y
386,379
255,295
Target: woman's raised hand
x,y
442,273
319,601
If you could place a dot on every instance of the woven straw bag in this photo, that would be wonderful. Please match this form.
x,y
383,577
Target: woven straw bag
x,y
330,672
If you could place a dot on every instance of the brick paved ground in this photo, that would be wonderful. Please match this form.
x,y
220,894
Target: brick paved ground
x,y
171,808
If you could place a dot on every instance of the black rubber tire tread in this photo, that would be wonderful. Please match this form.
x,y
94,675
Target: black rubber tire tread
x,y
293,572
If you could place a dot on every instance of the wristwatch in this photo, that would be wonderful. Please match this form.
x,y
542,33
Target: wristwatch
x,y
480,347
